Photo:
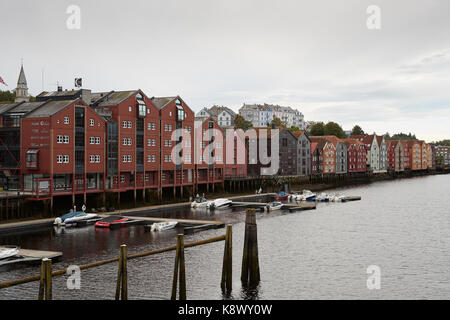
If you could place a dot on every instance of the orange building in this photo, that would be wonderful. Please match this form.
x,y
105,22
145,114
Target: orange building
x,y
328,154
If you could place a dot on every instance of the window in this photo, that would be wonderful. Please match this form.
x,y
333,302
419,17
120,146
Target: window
x,y
124,141
129,158
91,122
130,124
187,129
151,158
66,158
59,139
59,158
167,143
97,140
66,139
32,159
91,158
187,158
167,127
97,158
66,120
124,124
129,141
122,178
167,158
130,108
124,158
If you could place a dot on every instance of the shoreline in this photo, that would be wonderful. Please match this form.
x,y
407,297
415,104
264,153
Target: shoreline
x,y
33,223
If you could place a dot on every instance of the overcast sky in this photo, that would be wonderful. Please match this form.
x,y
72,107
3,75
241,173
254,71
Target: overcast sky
x,y
317,56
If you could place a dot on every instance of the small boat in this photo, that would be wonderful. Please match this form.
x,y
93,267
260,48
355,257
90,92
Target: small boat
x,y
275,205
281,196
336,198
308,196
8,251
323,197
111,221
161,226
219,203
199,202
73,217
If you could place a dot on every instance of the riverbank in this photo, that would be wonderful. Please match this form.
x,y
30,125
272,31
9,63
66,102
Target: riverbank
x,y
267,184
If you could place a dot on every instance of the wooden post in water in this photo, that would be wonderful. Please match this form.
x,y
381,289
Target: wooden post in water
x,y
45,282
227,279
250,275
179,268
122,275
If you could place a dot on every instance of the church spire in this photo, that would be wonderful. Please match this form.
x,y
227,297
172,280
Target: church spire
x,y
22,87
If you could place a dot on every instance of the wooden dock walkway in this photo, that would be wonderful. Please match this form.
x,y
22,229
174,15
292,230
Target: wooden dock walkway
x,y
184,221
28,256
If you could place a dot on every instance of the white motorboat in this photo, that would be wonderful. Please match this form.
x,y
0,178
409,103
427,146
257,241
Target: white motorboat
x,y
8,251
74,217
307,195
219,203
323,197
336,198
275,205
199,202
161,226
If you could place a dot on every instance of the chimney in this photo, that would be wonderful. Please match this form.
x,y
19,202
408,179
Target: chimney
x,y
59,88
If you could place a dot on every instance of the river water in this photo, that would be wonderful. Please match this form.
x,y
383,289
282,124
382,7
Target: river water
x,y
402,227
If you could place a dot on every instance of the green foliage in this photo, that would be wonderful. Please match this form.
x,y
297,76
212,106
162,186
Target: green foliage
x,y
334,129
317,129
445,142
277,123
7,96
241,123
293,128
357,130
402,136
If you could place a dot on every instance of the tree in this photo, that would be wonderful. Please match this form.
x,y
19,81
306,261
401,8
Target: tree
x,y
241,123
7,96
357,130
334,129
277,122
317,129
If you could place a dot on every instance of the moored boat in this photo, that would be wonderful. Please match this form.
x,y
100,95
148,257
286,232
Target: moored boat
x,y
8,251
282,196
73,217
199,202
219,203
108,222
275,205
161,226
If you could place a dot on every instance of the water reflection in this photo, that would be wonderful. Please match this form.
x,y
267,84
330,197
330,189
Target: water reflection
x,y
324,252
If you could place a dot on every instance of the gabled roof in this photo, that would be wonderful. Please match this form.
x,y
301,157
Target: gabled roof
x,y
50,108
161,102
24,107
216,110
113,98
313,146
348,142
321,140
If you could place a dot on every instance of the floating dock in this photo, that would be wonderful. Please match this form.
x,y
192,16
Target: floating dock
x,y
27,256
287,206
351,198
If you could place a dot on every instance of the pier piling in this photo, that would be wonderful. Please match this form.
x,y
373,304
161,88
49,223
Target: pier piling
x,y
122,275
227,279
179,273
250,275
45,281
